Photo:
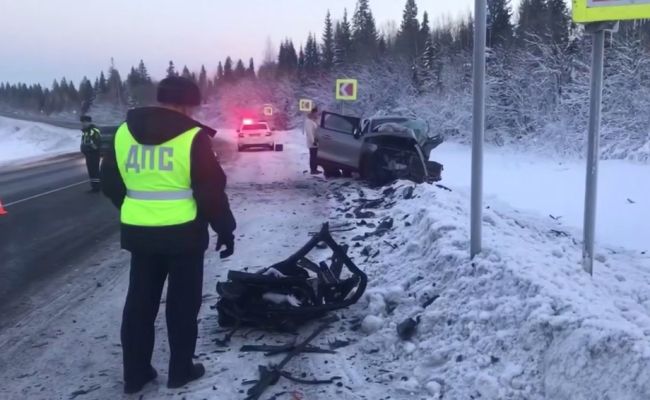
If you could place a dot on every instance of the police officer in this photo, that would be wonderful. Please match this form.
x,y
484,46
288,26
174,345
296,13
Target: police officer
x,y
91,139
169,186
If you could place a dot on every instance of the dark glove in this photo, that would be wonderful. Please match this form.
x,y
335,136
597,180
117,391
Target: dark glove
x,y
227,240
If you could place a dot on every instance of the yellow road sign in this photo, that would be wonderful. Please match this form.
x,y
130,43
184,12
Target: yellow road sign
x,y
306,105
347,89
268,111
610,10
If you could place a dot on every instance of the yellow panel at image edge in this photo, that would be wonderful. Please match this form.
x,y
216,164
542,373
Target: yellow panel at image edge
x,y
585,11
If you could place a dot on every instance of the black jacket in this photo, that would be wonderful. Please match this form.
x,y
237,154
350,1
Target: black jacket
x,y
154,126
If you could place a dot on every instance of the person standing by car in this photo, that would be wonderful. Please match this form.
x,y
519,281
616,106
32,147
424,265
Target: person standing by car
x,y
310,129
91,140
168,185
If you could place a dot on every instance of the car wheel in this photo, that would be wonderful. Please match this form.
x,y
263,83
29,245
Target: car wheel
x,y
330,172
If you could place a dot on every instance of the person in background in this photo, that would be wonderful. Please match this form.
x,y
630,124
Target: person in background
x,y
168,185
311,126
91,140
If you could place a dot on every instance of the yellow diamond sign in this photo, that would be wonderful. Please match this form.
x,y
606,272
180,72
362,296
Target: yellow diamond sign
x,y
306,105
268,111
610,10
347,89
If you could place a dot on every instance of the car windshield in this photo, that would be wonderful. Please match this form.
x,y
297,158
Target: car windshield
x,y
378,122
255,127
418,126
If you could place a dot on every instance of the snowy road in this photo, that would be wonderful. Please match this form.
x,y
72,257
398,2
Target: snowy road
x,y
51,224
72,343
521,321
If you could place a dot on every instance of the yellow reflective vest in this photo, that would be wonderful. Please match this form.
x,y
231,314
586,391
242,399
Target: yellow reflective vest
x,y
157,180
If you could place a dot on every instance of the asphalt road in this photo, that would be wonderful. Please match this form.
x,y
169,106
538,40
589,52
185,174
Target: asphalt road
x,y
53,224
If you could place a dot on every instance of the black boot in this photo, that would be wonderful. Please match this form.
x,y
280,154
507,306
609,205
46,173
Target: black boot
x,y
195,373
135,387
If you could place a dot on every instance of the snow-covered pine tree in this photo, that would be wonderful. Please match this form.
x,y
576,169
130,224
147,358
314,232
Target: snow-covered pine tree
x,y
240,70
327,48
203,80
408,34
312,58
364,32
103,85
533,21
186,73
171,70
425,32
301,59
143,72
500,28
342,40
228,74
250,71
559,21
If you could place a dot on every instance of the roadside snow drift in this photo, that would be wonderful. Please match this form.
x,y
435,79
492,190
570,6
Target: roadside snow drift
x,y
23,140
555,188
521,321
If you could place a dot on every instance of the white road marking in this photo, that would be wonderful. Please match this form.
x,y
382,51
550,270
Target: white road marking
x,y
44,194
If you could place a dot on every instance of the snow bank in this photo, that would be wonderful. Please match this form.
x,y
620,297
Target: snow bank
x,y
521,321
554,189
22,140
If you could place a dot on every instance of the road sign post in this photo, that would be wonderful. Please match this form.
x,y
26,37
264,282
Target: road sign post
x,y
593,143
480,8
598,16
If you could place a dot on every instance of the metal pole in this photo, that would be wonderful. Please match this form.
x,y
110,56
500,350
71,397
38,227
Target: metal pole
x,y
593,147
480,8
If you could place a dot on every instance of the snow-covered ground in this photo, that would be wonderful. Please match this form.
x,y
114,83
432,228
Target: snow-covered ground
x,y
21,140
521,321
555,188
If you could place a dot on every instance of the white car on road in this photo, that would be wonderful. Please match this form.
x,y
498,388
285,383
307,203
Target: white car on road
x,y
255,134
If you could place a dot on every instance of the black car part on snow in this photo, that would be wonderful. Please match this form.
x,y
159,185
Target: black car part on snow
x,y
242,298
270,375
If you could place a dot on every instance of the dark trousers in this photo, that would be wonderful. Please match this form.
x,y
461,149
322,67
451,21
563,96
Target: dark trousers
x,y
92,164
184,294
313,163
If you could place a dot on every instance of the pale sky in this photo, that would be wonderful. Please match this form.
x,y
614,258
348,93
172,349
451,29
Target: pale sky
x,y
41,40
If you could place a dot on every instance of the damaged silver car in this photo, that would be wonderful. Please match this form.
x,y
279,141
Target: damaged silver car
x,y
381,149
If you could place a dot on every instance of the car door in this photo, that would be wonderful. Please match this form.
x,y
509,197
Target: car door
x,y
336,139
